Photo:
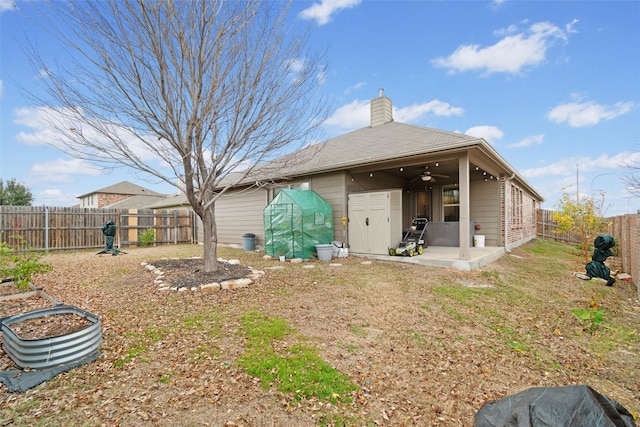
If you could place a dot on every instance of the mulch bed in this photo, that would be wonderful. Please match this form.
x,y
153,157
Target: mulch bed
x,y
189,272
53,325
12,307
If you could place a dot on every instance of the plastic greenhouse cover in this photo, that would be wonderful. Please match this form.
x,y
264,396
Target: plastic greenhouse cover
x,y
295,222
570,406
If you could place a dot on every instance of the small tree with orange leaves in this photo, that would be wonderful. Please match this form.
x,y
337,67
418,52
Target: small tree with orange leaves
x,y
582,216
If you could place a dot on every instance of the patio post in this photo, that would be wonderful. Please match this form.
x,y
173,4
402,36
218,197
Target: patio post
x,y
463,175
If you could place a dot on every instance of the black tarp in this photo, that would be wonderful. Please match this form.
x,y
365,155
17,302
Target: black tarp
x,y
602,251
570,406
18,380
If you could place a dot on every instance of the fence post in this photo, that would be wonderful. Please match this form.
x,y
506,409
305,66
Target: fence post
x,y
46,229
175,227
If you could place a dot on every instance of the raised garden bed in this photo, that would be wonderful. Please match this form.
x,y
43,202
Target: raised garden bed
x,y
51,336
15,301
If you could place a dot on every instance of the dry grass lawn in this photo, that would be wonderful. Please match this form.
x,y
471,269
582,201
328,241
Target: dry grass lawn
x,y
424,346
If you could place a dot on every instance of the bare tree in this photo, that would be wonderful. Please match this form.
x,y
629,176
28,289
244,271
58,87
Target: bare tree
x,y
633,178
199,94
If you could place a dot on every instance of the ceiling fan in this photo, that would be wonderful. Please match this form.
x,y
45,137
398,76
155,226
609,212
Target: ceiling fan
x,y
427,176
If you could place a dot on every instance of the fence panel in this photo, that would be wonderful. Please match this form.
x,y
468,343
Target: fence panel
x,y
53,228
547,228
623,228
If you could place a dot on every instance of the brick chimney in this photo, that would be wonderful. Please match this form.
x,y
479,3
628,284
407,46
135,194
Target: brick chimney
x,y
381,110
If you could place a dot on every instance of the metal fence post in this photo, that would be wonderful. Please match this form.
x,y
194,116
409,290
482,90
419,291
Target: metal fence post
x,y
46,229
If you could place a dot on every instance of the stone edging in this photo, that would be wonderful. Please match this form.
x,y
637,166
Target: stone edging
x,y
165,285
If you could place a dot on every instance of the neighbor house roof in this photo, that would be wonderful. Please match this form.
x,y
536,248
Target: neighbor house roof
x,y
124,187
138,202
176,200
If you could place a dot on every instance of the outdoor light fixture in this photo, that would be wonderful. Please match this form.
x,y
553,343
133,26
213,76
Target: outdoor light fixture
x,y
437,164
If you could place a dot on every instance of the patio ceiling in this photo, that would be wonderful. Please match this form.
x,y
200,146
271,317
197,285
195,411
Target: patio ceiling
x,y
443,169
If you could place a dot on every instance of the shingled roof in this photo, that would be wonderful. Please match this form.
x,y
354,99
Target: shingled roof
x,y
125,187
379,146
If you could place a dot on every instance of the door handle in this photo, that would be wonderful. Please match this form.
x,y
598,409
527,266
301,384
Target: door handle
x,y
367,222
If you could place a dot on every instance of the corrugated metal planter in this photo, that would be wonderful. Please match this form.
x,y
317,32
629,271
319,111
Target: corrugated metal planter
x,y
51,351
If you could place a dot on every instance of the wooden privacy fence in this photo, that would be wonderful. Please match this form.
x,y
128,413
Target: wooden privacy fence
x,y
623,228
53,228
547,228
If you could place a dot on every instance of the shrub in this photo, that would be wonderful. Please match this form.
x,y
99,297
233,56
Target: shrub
x,y
147,238
20,265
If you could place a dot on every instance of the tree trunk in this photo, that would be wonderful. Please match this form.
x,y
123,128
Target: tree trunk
x,y
210,239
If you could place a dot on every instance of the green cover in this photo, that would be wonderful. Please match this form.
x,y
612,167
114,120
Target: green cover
x,y
295,222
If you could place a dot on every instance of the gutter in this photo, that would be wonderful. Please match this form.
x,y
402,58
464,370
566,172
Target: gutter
x,y
506,212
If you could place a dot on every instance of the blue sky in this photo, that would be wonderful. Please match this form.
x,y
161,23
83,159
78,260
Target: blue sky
x,y
554,86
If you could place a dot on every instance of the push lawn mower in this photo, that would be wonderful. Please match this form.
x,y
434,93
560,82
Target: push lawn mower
x,y
413,241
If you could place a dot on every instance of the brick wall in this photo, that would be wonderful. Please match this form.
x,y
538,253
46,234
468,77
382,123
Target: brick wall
x,y
109,199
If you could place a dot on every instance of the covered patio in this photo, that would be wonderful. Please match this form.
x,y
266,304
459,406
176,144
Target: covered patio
x,y
446,256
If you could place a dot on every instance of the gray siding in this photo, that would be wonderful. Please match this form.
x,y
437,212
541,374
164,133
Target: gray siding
x,y
331,187
485,210
240,212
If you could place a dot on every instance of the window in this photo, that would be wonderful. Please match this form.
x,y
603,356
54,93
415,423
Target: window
x,y
305,185
516,207
451,203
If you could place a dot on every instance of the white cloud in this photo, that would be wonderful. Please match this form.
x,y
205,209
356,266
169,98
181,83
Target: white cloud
x,y
528,141
357,114
577,114
567,167
62,170
495,4
321,12
56,197
490,133
436,107
7,5
588,176
512,54
351,116
59,127
355,87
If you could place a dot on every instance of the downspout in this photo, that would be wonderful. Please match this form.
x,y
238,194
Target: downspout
x,y
506,213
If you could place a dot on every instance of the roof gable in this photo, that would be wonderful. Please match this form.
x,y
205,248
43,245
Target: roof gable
x,y
124,187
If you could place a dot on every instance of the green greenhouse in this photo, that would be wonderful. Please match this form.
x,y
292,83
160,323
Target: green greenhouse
x,y
295,222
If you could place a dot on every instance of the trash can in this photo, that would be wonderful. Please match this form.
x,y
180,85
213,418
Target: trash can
x,y
325,252
249,241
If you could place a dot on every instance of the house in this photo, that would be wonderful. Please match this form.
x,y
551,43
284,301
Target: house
x,y
379,178
123,195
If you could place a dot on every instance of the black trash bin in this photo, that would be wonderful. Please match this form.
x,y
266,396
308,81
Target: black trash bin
x,y
249,240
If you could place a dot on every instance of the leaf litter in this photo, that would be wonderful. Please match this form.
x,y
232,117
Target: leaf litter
x,y
423,348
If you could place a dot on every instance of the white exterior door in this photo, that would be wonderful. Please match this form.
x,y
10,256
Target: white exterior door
x,y
378,229
358,230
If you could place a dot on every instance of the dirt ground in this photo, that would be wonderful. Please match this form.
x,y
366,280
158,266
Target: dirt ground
x,y
426,346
